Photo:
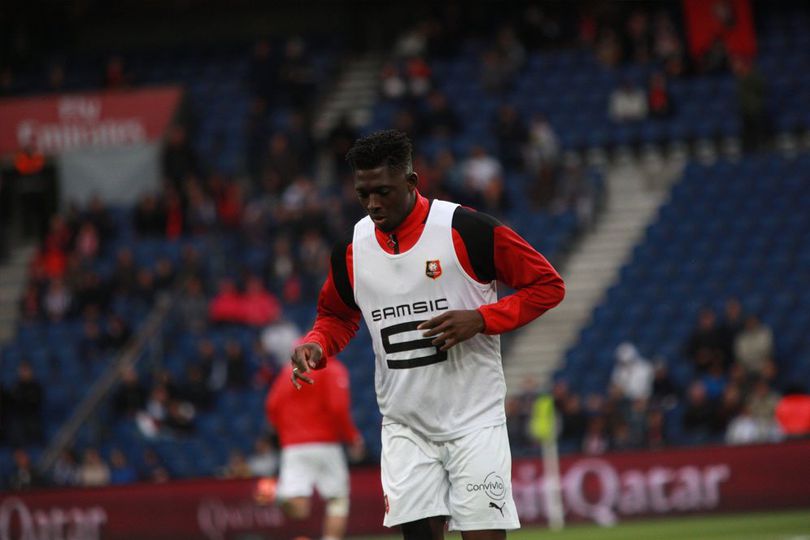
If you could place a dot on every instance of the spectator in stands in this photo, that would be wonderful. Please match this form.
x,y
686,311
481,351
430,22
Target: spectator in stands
x,y
212,364
98,214
543,147
258,306
762,401
226,306
495,77
639,37
714,379
405,120
144,292
510,50
179,419
91,343
201,214
418,76
150,420
296,74
164,274
706,342
667,45
659,101
116,76
65,471
699,414
316,253
596,441
512,136
731,325
117,335
608,48
516,424
24,475
153,469
91,293
483,175
280,166
302,144
237,368
574,422
93,471
87,242
122,280
627,103
237,466
121,472
729,405
30,304
392,83
57,301
751,92
130,397
264,459
26,398
195,389
178,159
745,429
754,347
664,393
632,373
439,120
655,433
149,217
192,307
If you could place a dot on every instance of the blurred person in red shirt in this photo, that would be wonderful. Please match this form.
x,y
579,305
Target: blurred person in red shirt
x,y
311,452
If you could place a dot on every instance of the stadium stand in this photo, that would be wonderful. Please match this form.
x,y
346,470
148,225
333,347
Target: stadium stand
x,y
743,216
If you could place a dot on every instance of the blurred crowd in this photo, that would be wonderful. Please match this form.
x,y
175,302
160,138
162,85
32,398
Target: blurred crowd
x,y
730,397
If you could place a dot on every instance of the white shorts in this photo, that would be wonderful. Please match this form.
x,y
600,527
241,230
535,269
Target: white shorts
x,y
468,479
319,465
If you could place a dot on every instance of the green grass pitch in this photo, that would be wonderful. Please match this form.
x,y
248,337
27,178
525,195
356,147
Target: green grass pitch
x,y
794,525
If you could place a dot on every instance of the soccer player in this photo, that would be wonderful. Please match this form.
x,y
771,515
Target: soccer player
x,y
311,425
423,275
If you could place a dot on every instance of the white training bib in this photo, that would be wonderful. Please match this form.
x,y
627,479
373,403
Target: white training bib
x,y
443,395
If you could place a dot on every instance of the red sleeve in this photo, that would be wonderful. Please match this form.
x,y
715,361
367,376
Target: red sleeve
x,y
538,285
336,322
339,402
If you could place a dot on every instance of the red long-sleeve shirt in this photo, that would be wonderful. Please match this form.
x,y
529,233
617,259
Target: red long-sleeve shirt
x,y
313,414
487,250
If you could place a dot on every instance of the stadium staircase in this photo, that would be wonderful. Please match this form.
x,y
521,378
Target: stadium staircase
x,y
354,95
634,193
13,274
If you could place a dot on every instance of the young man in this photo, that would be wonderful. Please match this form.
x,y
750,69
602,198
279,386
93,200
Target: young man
x,y
423,275
311,425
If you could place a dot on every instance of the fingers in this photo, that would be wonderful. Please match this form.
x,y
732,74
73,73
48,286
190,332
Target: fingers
x,y
433,325
296,376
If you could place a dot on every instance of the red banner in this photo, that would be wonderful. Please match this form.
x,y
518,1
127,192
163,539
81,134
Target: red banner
x,y
603,489
727,21
57,123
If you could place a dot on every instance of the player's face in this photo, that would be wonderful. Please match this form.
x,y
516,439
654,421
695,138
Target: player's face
x,y
387,196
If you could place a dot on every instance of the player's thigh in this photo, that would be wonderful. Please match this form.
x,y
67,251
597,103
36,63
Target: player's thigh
x,y
297,472
480,471
415,484
333,474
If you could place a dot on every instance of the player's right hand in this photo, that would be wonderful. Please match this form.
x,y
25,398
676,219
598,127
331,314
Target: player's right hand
x,y
304,357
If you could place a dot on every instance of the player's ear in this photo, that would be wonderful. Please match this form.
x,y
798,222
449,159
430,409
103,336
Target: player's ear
x,y
412,180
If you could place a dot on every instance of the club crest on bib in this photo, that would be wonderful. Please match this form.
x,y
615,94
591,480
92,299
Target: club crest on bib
x,y
433,269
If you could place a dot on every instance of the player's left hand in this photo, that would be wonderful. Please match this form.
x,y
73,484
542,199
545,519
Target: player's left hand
x,y
452,327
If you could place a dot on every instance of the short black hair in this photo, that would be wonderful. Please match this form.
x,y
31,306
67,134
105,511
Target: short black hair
x,y
390,148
